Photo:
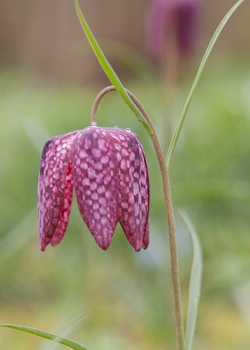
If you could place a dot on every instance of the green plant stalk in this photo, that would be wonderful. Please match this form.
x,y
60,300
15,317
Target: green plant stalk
x,y
196,80
169,212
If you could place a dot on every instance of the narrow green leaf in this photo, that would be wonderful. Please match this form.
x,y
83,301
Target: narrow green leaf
x,y
64,341
109,70
194,286
196,80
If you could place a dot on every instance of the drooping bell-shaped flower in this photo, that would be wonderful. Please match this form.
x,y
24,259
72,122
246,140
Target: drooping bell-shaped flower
x,y
108,169
176,18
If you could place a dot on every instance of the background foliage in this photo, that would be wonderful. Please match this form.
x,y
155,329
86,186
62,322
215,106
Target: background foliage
x,y
121,295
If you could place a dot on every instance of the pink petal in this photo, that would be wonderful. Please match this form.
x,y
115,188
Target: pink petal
x,y
66,207
54,188
95,176
134,188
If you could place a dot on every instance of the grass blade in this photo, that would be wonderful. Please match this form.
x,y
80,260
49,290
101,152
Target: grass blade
x,y
196,80
194,286
109,70
64,341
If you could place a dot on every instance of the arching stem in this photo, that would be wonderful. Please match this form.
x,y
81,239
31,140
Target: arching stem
x,y
169,211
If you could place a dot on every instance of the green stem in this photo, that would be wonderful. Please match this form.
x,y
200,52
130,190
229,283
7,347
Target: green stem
x,y
169,212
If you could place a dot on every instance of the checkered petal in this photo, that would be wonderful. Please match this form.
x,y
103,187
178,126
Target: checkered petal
x,y
133,205
95,174
55,188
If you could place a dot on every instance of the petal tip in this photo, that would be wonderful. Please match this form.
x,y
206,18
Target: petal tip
x,y
145,246
42,248
43,245
103,245
103,241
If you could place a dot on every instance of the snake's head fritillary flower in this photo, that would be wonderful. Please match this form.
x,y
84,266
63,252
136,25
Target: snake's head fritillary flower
x,y
108,169
171,17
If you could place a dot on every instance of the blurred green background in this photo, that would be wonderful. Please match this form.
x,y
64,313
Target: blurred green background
x,y
120,299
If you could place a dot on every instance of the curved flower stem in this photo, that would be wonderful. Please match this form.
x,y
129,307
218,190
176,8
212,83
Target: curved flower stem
x,y
133,98
169,211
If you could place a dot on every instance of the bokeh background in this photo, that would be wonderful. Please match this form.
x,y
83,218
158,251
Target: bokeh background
x,y
120,299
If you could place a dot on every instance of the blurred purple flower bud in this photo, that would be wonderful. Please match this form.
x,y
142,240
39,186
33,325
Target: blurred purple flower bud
x,y
171,17
158,19
108,169
186,18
